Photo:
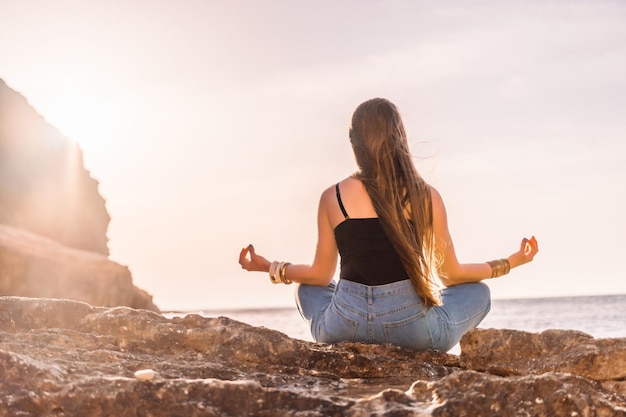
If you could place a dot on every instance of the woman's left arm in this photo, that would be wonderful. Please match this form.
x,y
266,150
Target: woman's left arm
x,y
322,270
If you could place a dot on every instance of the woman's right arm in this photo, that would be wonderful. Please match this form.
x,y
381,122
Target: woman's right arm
x,y
451,272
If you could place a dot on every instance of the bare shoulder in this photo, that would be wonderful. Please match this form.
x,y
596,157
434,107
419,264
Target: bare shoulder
x,y
328,196
437,201
351,181
344,185
435,196
329,201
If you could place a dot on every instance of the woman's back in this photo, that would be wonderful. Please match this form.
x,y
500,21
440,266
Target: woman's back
x,y
355,199
367,254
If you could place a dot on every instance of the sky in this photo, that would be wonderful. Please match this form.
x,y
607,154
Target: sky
x,y
211,125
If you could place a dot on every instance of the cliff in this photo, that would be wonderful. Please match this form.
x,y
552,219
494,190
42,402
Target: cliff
x,y
44,186
61,357
53,220
34,266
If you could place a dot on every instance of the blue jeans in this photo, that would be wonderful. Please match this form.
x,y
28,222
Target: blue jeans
x,y
393,313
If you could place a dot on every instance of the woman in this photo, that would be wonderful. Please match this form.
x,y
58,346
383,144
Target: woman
x,y
391,230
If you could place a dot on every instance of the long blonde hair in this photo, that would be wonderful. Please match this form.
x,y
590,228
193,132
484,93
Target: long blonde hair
x,y
381,149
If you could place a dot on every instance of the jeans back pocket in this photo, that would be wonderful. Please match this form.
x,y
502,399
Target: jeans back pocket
x,y
411,332
336,326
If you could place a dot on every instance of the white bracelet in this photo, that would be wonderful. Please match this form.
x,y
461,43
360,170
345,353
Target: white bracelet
x,y
275,272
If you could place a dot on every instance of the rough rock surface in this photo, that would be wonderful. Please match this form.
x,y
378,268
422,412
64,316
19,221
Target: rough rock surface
x,y
44,186
512,352
33,266
67,358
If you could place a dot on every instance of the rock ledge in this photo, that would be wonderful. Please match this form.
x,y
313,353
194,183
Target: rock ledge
x,y
64,358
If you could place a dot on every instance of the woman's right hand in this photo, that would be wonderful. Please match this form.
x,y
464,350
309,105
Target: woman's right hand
x,y
250,261
526,253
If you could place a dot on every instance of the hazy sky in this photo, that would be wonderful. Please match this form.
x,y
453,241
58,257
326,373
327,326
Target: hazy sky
x,y
211,125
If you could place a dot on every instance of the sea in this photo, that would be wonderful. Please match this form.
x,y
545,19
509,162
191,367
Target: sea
x,y
601,316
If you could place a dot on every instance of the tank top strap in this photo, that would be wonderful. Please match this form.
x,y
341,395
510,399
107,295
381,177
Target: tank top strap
x,y
343,209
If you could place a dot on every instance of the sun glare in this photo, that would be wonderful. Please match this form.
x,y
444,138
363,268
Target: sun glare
x,y
82,110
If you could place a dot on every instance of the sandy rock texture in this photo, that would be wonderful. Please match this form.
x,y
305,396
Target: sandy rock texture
x,y
67,358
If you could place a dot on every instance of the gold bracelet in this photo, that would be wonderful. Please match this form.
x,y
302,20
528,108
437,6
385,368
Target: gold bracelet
x,y
499,267
283,272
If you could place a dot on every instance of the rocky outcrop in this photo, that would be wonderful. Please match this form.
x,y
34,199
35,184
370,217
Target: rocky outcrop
x,y
53,220
44,186
33,266
510,352
62,358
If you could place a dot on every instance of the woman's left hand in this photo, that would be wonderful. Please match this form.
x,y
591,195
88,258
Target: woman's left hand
x,y
526,253
250,261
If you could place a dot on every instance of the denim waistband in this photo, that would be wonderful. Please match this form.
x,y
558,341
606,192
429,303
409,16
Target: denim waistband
x,y
345,285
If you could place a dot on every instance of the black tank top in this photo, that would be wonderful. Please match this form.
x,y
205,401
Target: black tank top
x,y
367,254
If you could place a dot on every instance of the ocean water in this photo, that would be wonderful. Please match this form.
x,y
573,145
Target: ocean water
x,y
600,316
